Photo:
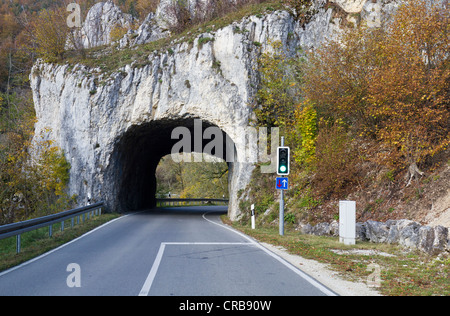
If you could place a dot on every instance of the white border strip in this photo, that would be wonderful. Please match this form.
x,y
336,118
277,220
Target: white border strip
x,y
209,243
60,247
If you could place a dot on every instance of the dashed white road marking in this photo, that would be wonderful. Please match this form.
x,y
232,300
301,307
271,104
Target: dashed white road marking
x,y
151,276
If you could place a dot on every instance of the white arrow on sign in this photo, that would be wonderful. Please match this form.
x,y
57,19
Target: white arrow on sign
x,y
282,183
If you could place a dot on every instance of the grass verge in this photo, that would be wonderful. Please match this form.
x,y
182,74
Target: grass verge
x,y
402,273
37,242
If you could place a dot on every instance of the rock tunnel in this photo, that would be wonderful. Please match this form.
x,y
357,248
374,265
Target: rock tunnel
x,y
140,149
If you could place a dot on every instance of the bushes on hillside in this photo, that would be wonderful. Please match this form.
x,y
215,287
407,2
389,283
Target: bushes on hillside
x,y
392,85
370,98
32,186
182,14
31,183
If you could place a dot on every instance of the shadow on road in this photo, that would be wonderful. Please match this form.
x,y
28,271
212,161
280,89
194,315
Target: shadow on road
x,y
187,210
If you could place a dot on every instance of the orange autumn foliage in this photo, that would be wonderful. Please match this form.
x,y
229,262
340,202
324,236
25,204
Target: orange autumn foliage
x,y
409,91
390,85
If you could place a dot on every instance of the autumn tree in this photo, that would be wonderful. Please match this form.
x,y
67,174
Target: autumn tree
x,y
33,179
205,180
48,34
144,7
306,127
192,179
410,89
338,77
169,177
279,90
392,85
31,185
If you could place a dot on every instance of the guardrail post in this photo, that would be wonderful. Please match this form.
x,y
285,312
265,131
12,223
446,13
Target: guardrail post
x,y
18,243
17,229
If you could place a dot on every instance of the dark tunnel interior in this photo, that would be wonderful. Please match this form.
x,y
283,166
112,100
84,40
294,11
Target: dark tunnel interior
x,y
139,151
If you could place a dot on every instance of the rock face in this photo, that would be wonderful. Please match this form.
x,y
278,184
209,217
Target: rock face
x,y
376,231
114,128
101,19
406,233
440,239
149,31
351,6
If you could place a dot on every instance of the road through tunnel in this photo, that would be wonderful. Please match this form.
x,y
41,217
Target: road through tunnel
x,y
139,150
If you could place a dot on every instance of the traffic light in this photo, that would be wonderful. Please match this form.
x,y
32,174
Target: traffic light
x,y
283,161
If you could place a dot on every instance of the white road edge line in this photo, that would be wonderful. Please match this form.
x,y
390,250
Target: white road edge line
x,y
62,246
300,273
151,276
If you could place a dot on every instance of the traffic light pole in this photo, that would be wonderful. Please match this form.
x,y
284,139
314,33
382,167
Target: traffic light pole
x,y
282,213
282,202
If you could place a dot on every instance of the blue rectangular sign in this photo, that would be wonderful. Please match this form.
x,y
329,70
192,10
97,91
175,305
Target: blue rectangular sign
x,y
282,183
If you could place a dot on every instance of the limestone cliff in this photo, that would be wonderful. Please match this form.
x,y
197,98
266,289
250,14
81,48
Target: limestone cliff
x,y
113,128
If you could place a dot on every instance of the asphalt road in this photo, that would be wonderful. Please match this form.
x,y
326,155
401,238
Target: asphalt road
x,y
173,251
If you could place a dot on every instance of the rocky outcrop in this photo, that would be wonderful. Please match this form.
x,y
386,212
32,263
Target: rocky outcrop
x,y
406,233
114,127
100,21
104,17
327,20
148,31
104,123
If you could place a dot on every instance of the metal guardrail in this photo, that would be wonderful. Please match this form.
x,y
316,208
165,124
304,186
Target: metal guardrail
x,y
187,202
16,229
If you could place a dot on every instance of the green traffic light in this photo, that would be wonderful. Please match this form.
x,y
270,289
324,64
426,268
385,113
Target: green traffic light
x,y
283,161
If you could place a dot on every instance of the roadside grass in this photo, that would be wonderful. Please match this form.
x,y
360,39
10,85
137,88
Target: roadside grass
x,y
402,274
37,242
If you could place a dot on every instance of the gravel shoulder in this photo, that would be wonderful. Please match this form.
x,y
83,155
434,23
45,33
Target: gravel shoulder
x,y
321,273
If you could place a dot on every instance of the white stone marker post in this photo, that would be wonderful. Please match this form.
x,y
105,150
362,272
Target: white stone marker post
x,y
253,216
347,222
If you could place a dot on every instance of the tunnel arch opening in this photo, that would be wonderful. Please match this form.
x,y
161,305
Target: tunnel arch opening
x,y
138,152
